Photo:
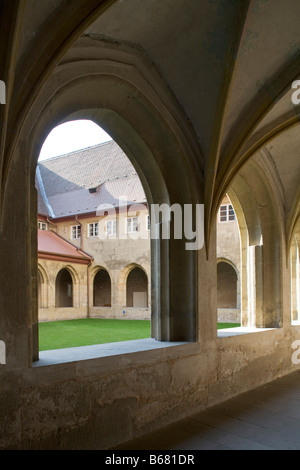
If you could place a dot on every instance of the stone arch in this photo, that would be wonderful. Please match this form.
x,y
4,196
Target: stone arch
x,y
228,243
157,143
40,281
260,221
64,288
245,296
102,288
227,284
137,288
122,284
43,286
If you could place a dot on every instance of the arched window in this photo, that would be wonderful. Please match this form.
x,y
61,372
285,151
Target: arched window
x,y
137,288
102,289
40,280
227,285
64,289
42,287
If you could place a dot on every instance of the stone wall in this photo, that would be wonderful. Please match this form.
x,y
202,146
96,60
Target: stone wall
x,y
229,315
117,255
99,403
121,313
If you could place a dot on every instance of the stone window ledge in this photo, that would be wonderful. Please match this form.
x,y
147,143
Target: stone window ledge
x,y
242,330
81,353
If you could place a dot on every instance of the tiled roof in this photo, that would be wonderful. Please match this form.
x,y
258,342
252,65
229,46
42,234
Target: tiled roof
x,y
52,246
42,209
64,182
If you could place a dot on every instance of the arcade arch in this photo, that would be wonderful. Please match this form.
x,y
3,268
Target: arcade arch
x,y
102,289
103,102
227,285
137,288
64,289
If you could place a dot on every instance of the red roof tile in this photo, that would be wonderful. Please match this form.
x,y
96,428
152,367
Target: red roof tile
x,y
52,246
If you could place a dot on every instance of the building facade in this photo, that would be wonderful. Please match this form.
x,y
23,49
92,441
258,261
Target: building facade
x,y
93,237
109,274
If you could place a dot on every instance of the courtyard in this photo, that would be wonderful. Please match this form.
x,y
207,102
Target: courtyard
x,y
89,331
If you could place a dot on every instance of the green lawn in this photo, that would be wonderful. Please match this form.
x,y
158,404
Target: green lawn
x,y
71,333
221,326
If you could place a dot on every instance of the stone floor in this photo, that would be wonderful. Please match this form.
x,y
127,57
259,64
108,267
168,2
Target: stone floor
x,y
266,418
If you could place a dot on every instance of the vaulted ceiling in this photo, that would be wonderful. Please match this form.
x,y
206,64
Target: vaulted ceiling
x,y
228,64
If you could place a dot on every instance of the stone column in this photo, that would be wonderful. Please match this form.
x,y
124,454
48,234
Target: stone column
x,y
173,290
207,291
18,276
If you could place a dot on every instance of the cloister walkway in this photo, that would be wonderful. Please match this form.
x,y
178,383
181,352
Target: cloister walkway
x,y
266,418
